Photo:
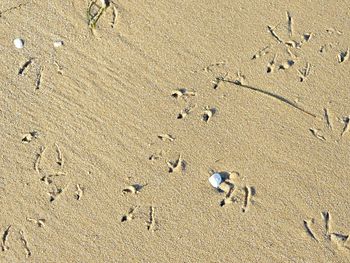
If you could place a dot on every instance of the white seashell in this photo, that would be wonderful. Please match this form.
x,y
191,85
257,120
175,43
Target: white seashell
x,y
215,180
18,42
58,43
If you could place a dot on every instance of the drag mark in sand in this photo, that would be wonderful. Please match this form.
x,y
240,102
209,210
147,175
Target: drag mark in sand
x,y
271,95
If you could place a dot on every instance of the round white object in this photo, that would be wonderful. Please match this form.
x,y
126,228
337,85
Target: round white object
x,y
215,180
58,43
18,42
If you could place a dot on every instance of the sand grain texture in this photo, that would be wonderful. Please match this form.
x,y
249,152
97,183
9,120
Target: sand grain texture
x,y
91,112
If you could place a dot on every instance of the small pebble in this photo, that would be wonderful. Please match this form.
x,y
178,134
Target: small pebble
x,y
215,180
58,43
18,42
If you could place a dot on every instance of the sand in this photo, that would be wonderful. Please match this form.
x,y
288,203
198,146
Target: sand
x,y
108,140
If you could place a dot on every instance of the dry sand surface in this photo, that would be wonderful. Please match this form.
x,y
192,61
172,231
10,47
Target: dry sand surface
x,y
108,138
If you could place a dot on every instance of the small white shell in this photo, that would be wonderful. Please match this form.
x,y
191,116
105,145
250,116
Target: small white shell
x,y
215,180
58,43
18,42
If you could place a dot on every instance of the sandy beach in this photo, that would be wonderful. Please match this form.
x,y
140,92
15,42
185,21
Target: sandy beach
x,y
115,114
